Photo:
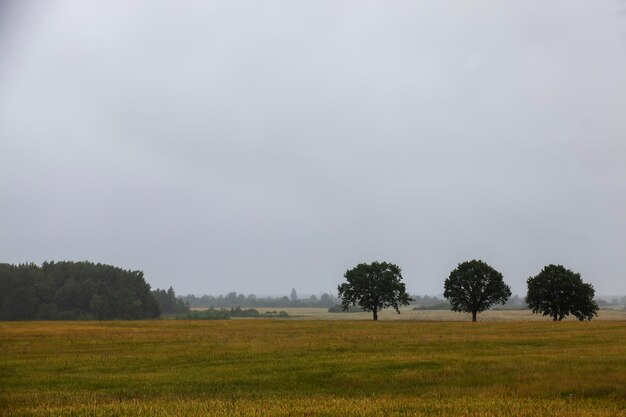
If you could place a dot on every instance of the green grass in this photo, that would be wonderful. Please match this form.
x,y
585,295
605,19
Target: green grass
x,y
296,367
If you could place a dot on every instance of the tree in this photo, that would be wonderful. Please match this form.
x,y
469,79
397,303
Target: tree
x,y
72,290
373,287
231,299
294,295
99,306
168,302
558,292
474,286
326,300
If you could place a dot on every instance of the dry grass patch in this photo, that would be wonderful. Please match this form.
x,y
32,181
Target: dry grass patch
x,y
323,367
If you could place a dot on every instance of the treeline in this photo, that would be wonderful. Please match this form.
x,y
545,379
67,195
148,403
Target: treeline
x,y
611,302
74,291
225,314
435,303
169,303
325,300
233,299
428,302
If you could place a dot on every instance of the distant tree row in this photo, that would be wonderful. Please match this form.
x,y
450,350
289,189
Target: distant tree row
x,y
74,291
613,301
472,287
213,313
233,299
428,302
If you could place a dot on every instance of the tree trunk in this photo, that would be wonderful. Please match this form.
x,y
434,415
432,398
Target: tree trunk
x,y
473,316
555,317
375,312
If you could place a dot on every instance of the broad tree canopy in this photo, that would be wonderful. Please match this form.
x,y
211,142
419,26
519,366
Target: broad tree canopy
x,y
475,286
558,292
373,287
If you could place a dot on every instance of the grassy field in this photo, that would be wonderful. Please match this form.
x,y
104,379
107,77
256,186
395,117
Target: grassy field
x,y
312,367
408,313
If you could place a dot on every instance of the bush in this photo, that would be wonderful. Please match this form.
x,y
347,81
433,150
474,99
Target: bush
x,y
225,314
210,314
238,312
276,314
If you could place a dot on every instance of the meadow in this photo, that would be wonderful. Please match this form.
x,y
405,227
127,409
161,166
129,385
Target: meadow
x,y
407,313
271,367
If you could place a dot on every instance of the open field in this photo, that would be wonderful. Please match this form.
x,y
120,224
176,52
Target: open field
x,y
434,315
311,367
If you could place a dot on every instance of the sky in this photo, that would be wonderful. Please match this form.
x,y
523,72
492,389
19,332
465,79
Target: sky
x,y
262,146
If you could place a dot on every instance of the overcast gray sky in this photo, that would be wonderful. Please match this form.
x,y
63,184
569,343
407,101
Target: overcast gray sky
x,y
258,146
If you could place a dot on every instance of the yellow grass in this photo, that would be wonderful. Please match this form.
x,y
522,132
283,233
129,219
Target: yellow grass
x,y
269,367
434,315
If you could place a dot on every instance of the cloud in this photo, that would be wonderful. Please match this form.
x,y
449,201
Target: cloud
x,y
259,147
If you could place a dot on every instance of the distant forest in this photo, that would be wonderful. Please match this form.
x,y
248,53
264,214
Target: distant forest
x,y
80,291
325,300
232,299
